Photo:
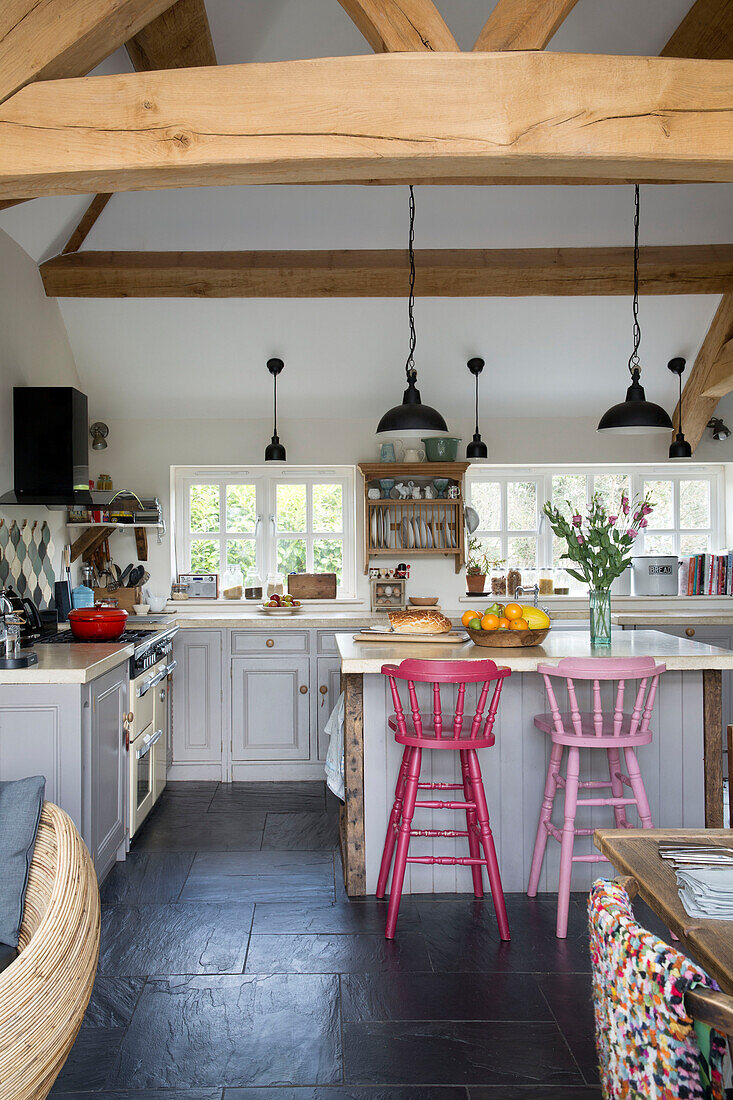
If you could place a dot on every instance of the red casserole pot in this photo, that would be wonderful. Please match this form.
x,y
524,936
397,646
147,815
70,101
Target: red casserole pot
x,y
97,624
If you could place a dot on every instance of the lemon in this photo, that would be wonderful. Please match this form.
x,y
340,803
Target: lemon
x,y
535,618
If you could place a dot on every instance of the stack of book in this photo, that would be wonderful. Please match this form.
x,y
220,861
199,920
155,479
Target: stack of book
x,y
707,575
704,879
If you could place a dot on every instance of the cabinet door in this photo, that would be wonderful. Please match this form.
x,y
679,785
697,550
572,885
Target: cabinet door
x,y
328,689
197,709
108,766
161,707
270,705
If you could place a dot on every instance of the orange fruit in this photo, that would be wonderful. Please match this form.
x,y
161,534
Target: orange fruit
x,y
513,611
468,615
504,624
519,624
490,622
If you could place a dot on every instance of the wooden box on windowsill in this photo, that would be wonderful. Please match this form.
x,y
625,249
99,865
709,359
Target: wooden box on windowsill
x,y
125,597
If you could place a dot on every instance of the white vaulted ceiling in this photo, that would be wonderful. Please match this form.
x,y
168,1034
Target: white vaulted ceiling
x,y
567,356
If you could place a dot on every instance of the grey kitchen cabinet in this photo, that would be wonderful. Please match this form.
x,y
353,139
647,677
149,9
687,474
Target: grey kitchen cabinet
x,y
197,703
270,707
74,735
328,680
105,777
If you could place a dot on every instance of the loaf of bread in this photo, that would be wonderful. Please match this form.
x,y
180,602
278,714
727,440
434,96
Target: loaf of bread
x,y
424,620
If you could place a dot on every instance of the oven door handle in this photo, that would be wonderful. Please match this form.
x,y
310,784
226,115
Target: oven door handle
x,y
149,742
145,688
171,667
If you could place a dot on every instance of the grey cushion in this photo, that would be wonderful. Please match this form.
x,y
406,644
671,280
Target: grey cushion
x,y
21,802
7,955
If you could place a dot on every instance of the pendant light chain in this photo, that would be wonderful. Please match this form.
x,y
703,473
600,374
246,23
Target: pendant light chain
x,y
274,403
410,364
634,359
477,431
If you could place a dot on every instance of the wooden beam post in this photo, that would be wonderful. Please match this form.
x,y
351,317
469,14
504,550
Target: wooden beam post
x,y
697,405
80,234
706,31
409,115
452,273
180,38
61,38
523,24
396,26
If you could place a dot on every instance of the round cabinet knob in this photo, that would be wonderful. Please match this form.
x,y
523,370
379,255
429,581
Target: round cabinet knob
x,y
303,689
129,718
162,695
690,632
270,643
323,689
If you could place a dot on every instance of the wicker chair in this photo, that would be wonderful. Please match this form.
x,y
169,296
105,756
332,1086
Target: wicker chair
x,y
45,992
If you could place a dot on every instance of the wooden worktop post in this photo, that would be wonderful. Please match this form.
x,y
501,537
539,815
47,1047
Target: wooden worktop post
x,y
353,850
712,691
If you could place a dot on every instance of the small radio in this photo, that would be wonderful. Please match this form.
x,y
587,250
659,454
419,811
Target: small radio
x,y
201,586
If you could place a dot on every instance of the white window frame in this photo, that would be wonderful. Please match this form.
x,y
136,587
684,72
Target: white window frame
x,y
266,478
637,474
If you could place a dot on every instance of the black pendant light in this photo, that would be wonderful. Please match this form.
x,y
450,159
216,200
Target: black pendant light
x,y
476,448
274,451
635,415
412,415
679,447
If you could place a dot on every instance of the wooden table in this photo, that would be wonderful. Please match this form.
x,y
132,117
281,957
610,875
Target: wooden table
x,y
634,852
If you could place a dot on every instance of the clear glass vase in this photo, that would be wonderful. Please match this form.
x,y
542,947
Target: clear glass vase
x,y
600,616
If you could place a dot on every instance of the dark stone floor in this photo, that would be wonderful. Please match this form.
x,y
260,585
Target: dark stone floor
x,y
234,966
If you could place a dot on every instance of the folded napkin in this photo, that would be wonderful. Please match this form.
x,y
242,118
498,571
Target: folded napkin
x,y
706,892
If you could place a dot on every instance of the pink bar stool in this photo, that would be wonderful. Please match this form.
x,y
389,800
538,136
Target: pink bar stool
x,y
442,731
574,729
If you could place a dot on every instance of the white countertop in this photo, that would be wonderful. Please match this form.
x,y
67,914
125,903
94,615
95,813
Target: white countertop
x,y
69,664
251,619
676,653
673,618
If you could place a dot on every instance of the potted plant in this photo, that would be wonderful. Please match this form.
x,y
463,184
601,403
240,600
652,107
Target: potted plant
x,y
476,566
599,544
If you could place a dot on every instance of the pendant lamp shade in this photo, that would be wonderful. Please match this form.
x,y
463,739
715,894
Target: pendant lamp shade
x,y
476,448
274,451
411,415
635,415
679,447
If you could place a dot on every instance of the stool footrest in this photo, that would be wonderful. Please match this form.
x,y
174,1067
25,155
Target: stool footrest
x,y
446,805
606,801
584,784
624,778
590,859
448,861
440,786
438,832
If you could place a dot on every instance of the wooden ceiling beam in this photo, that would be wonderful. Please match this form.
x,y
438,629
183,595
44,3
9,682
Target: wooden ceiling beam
x,y
523,24
83,229
697,405
719,381
452,273
706,31
409,116
50,39
399,26
180,38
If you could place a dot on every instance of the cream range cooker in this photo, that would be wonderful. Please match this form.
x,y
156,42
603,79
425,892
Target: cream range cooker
x,y
148,727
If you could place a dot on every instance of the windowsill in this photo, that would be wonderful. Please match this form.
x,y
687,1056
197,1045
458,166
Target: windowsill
x,y
569,602
241,605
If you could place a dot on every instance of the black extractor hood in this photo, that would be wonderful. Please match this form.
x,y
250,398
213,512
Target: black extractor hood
x,y
50,447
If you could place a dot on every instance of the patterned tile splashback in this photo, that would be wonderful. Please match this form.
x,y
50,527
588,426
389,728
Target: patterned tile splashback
x,y
26,559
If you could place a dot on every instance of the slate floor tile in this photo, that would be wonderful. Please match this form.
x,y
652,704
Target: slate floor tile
x,y
278,917
423,996
301,831
147,878
570,999
173,831
226,877
270,797
462,935
250,1030
112,1002
349,1092
90,1062
532,1092
147,1094
335,954
174,939
463,1053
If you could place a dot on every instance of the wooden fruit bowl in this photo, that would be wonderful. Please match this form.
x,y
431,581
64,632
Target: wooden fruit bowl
x,y
507,639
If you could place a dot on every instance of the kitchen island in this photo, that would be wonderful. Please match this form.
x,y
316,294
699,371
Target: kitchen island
x,y
682,767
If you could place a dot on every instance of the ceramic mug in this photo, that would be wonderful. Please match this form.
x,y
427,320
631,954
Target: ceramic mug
x,y
414,454
374,494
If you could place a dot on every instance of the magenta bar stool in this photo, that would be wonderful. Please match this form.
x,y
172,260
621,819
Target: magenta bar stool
x,y
615,731
454,733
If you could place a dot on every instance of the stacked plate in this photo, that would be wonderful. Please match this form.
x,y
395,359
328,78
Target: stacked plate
x,y
391,529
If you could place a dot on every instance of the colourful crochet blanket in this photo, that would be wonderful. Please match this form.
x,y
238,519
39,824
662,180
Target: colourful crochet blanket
x,y
648,1047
